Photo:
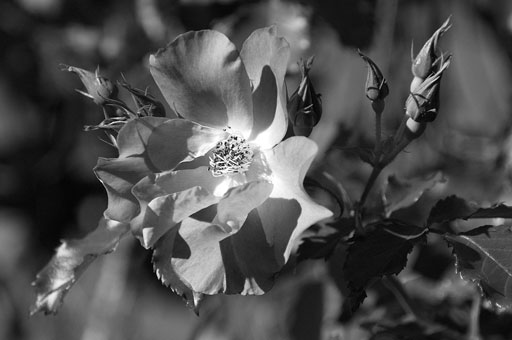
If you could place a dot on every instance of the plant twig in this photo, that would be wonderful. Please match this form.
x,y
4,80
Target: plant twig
x,y
395,286
473,332
378,135
369,184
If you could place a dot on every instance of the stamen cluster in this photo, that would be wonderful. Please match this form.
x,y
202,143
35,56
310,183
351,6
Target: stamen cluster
x,y
231,156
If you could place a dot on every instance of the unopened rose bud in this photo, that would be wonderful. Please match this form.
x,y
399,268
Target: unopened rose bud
x,y
422,105
147,105
99,88
424,61
304,106
376,86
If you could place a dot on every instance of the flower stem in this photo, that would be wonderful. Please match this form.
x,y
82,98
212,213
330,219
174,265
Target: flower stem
x,y
396,287
369,184
378,134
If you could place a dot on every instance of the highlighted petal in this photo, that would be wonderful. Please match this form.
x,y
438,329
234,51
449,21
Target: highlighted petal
x,y
265,57
180,140
203,78
289,210
165,212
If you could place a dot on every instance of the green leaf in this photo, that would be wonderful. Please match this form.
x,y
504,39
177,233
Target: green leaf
x,y
70,261
382,251
318,247
453,207
322,244
398,193
486,259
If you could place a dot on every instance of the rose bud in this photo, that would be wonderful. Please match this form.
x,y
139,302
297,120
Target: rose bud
x,y
376,86
424,61
304,106
422,105
99,88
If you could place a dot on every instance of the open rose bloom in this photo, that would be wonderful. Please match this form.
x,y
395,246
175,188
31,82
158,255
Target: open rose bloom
x,y
216,194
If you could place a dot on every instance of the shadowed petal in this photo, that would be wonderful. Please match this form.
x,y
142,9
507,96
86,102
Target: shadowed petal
x,y
118,176
265,57
197,256
133,137
204,260
179,140
249,261
165,212
203,78
239,201
165,183
289,210
174,181
165,272
144,191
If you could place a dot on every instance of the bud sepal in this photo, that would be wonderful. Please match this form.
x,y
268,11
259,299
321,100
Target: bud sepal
x,y
305,105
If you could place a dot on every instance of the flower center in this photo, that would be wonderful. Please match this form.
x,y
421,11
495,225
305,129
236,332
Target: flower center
x,y
231,156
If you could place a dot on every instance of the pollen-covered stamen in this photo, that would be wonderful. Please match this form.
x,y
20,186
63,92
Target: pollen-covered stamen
x,y
231,156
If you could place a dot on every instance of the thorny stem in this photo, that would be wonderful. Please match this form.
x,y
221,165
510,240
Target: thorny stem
x,y
399,143
403,137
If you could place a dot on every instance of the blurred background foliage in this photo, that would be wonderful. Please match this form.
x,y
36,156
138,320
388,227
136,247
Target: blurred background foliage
x,y
48,190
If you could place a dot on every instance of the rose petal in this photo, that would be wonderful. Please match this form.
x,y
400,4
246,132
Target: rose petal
x,y
174,181
265,57
199,259
133,137
165,272
118,176
162,184
289,210
249,261
144,191
179,140
233,209
165,212
203,78
211,263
